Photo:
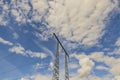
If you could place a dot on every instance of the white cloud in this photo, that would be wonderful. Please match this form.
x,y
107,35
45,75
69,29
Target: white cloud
x,y
36,77
39,9
51,65
101,68
86,67
73,65
95,78
38,66
112,62
116,51
36,54
45,49
83,22
115,69
101,57
23,79
91,77
4,13
86,64
5,42
15,35
117,48
117,42
40,36
22,9
117,77
97,56
40,77
18,49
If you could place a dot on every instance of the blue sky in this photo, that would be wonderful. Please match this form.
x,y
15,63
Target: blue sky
x,y
89,31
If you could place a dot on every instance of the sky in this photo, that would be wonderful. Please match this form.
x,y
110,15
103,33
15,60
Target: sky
x,y
88,29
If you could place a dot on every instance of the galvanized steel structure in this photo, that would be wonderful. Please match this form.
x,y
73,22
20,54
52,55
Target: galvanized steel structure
x,y
56,63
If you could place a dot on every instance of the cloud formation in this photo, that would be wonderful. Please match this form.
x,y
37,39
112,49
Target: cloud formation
x,y
117,42
86,65
28,11
82,23
36,77
101,68
112,62
23,11
117,47
18,49
117,78
111,65
5,42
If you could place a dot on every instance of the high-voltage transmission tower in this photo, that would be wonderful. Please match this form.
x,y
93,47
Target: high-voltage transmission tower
x,y
56,63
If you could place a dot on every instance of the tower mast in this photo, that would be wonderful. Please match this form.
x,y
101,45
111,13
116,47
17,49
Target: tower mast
x,y
56,64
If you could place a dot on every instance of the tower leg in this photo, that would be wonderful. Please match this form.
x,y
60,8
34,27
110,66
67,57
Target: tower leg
x,y
56,64
66,68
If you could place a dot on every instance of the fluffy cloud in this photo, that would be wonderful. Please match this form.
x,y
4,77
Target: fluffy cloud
x,y
117,48
83,22
23,79
100,57
86,67
116,51
36,77
117,42
5,42
36,54
23,11
4,13
40,77
117,78
112,62
15,35
101,68
86,64
38,66
18,49
91,77
115,69
39,9
73,65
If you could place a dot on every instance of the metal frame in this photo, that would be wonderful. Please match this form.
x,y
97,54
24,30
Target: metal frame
x,y
56,64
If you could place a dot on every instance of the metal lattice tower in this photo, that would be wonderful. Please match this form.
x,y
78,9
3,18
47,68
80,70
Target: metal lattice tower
x,y
66,68
56,64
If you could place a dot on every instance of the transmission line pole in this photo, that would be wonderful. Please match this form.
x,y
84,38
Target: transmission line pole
x,y
56,64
